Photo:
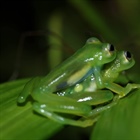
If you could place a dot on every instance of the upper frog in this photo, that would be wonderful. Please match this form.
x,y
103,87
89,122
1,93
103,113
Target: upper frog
x,y
91,57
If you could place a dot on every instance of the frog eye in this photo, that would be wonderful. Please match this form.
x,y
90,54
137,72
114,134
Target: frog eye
x,y
111,48
128,55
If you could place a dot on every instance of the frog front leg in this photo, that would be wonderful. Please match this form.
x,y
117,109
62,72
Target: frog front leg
x,y
121,91
98,77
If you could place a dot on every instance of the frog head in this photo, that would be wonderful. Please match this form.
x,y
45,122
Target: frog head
x,y
123,61
99,53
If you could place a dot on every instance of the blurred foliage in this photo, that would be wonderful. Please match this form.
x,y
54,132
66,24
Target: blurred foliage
x,y
37,35
20,122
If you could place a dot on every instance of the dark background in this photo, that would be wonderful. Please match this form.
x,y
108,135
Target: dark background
x,y
24,50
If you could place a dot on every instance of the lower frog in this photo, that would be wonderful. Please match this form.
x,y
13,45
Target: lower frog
x,y
75,86
88,91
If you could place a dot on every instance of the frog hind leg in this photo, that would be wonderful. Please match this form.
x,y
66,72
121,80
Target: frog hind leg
x,y
98,110
60,119
100,97
49,105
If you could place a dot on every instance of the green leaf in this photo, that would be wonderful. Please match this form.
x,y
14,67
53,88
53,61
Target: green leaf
x,y
121,122
19,121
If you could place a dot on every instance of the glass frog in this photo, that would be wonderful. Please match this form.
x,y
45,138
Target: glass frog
x,y
74,86
123,61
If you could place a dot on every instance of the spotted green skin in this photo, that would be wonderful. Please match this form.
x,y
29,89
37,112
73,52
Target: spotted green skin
x,y
75,86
